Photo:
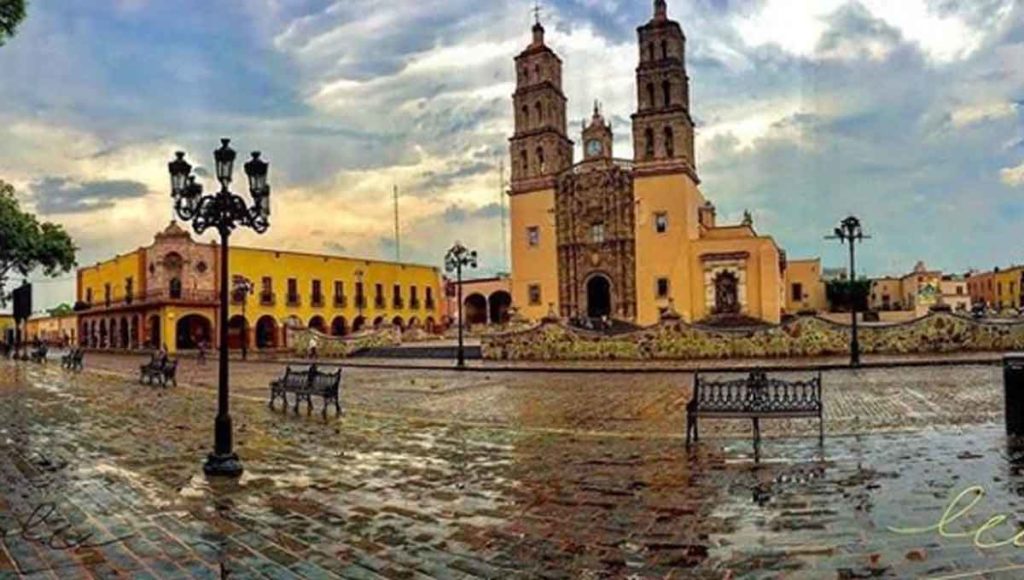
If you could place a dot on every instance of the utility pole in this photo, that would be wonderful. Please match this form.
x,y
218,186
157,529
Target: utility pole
x,y
398,232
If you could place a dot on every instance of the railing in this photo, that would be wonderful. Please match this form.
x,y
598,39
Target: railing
x,y
155,296
267,299
360,301
379,302
398,302
294,300
317,301
414,304
340,301
430,303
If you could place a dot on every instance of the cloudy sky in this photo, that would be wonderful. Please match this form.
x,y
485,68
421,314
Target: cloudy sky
x,y
909,113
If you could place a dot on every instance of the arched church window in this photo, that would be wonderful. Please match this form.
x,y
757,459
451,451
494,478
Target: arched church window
x,y
539,109
649,143
650,51
650,95
536,73
524,161
664,49
540,159
526,116
666,91
175,288
670,142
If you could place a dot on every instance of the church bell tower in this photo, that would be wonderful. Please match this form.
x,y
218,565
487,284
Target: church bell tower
x,y
540,147
662,126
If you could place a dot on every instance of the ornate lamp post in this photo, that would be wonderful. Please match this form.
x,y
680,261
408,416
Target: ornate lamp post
x,y
243,288
849,231
224,211
457,258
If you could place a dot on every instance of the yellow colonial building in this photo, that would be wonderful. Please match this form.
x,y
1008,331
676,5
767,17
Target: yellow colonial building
x,y
167,294
627,238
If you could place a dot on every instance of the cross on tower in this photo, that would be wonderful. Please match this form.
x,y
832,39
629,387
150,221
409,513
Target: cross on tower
x,y
536,12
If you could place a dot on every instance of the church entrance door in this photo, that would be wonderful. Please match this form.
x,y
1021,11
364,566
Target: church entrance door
x,y
599,297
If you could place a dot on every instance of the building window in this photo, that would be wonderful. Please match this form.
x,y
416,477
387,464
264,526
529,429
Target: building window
x,y
661,222
533,236
396,293
339,294
797,292
539,111
106,294
649,143
414,298
670,142
88,296
129,290
524,162
378,298
175,288
666,91
540,160
597,233
664,49
960,290
534,292
662,287
318,293
526,116
266,291
650,95
293,292
429,298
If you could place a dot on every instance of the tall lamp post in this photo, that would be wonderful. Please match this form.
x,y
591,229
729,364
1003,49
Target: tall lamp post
x,y
849,231
243,288
224,211
457,258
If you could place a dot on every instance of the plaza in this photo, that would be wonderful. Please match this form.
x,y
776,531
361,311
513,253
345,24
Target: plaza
x,y
441,474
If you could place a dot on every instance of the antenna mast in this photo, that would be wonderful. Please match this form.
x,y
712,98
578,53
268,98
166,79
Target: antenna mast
x,y
398,232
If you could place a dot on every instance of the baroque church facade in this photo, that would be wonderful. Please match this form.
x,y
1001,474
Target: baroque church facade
x,y
627,239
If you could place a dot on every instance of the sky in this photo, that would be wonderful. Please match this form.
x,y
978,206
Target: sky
x,y
908,113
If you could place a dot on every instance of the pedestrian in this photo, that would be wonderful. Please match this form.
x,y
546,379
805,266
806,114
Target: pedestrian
x,y
202,351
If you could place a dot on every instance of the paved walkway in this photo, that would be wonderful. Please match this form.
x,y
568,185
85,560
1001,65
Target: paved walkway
x,y
100,477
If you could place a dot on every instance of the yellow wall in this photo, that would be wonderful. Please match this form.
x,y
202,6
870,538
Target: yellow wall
x,y
534,264
807,273
665,255
1008,288
113,272
280,266
763,278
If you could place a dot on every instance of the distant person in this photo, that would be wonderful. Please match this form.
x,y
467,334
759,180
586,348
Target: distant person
x,y
313,344
202,351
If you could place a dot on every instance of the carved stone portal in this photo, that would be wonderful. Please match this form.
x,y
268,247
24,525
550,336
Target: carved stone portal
x,y
595,221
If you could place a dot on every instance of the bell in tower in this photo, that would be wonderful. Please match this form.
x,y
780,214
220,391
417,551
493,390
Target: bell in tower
x,y
597,137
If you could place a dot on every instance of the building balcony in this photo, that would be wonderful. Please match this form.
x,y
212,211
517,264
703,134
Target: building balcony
x,y
267,299
317,301
294,300
379,302
430,304
156,297
360,301
414,304
340,301
398,303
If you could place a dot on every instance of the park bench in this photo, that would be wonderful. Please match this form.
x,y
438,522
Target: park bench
x,y
306,383
754,397
160,369
39,354
73,359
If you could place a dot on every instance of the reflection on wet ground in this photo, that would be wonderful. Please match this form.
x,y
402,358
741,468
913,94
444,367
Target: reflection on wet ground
x,y
100,475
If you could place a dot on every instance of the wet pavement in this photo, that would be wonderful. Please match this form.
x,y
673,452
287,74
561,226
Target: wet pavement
x,y
429,477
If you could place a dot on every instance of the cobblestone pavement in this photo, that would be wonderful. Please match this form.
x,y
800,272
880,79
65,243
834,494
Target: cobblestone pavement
x,y
100,478
861,401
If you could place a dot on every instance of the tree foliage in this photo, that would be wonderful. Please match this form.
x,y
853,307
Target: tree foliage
x,y
27,245
61,310
842,293
12,12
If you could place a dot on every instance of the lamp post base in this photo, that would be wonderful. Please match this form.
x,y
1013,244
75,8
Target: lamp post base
x,y
222,465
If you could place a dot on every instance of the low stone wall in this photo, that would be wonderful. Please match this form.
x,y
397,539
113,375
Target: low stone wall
x,y
802,337
342,347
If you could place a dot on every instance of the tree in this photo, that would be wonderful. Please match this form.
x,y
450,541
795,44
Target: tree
x,y
61,310
841,293
12,12
27,245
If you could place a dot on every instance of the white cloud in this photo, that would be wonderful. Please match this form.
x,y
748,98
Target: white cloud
x,y
976,113
1013,176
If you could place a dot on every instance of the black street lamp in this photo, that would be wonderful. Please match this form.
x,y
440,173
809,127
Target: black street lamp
x,y
457,258
849,231
243,288
224,211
